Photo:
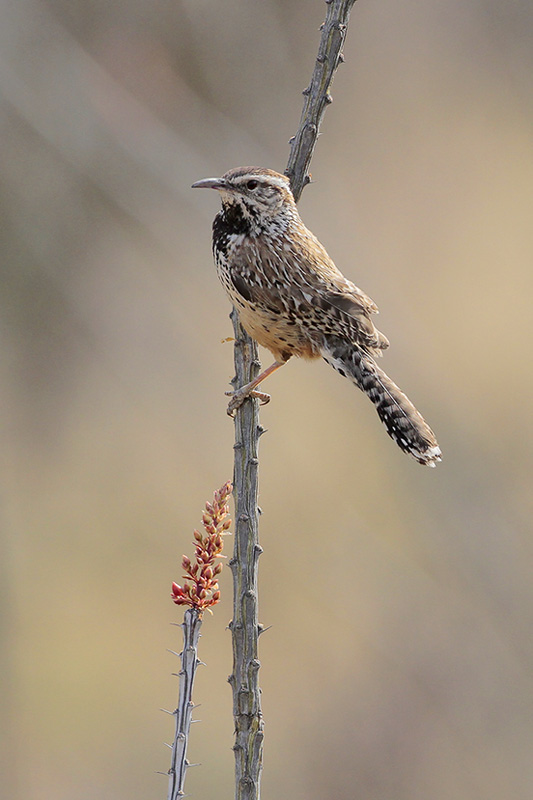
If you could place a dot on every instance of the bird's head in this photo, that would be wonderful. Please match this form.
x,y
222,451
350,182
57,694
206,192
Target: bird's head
x,y
257,190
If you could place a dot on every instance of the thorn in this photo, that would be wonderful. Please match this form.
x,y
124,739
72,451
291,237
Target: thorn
x,y
200,663
158,772
198,764
195,720
328,98
168,745
341,58
306,91
174,653
259,510
292,140
166,711
261,629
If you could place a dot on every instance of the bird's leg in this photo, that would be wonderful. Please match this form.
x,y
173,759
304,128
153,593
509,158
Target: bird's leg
x,y
248,390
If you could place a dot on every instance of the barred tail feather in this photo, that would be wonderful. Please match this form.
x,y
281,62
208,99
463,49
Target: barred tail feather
x,y
403,422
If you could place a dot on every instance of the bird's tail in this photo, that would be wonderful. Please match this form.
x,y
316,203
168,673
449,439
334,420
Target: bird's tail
x,y
403,422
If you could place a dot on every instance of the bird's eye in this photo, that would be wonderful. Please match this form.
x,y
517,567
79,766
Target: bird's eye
x,y
252,185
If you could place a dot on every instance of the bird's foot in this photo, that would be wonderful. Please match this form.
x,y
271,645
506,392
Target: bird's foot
x,y
240,395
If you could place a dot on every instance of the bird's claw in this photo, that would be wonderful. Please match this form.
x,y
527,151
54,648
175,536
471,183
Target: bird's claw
x,y
238,397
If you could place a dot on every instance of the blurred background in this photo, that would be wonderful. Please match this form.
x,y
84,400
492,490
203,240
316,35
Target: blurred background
x,y
399,665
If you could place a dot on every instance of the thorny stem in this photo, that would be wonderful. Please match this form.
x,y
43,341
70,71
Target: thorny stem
x,y
245,627
317,96
248,747
191,625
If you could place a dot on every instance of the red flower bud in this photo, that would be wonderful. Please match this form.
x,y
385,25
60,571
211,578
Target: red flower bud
x,y
200,587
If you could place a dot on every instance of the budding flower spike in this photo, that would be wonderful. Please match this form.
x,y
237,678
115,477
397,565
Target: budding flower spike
x,y
200,588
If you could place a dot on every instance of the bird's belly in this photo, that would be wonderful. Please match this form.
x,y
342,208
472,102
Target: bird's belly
x,y
279,334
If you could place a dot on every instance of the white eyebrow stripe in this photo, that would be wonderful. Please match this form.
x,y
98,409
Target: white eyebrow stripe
x,y
266,179
278,182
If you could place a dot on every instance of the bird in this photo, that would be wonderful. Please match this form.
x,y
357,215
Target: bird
x,y
292,299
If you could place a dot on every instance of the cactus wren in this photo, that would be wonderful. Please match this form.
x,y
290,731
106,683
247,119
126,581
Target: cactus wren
x,y
293,300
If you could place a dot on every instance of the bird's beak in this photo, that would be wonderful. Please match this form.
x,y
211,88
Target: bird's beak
x,y
209,183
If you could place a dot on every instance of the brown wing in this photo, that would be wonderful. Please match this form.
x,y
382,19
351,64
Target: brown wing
x,y
303,284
